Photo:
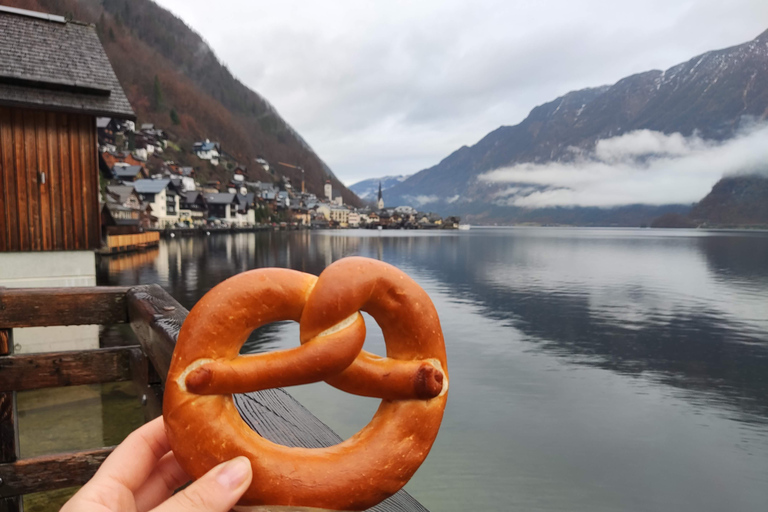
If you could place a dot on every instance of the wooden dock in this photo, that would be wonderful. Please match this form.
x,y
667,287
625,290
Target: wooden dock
x,y
156,318
132,242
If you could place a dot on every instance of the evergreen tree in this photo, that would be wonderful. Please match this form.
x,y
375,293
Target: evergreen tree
x,y
175,117
157,96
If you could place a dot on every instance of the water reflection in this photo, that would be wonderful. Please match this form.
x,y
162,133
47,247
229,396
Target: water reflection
x,y
591,369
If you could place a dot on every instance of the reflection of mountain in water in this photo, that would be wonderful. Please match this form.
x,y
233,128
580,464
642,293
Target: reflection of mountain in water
x,y
632,328
689,311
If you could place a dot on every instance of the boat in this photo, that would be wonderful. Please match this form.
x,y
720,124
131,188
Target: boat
x,y
464,227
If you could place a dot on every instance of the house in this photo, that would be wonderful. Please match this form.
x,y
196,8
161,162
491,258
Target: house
x,y
340,215
207,150
239,174
354,219
55,77
300,215
124,172
212,187
106,134
263,163
117,219
111,158
55,81
245,214
124,195
193,207
162,197
222,206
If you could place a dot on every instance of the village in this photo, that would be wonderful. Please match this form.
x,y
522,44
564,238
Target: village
x,y
135,198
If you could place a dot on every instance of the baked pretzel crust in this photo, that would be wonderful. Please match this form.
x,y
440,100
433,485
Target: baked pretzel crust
x,y
205,428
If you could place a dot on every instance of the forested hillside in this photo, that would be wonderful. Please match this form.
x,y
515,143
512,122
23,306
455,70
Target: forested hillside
x,y
174,80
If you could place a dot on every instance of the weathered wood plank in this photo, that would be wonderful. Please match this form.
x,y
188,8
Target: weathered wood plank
x,y
36,307
50,471
156,318
76,178
44,204
72,368
30,170
148,385
57,233
273,413
65,180
19,166
4,245
9,424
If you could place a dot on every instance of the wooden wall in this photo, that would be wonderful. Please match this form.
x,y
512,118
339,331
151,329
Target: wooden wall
x,y
63,212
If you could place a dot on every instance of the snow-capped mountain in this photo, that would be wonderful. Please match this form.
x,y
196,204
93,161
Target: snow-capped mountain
x,y
712,96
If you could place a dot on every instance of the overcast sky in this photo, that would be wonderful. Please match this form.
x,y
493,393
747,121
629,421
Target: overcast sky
x,y
393,87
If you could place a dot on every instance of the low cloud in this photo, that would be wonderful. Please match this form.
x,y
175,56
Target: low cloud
x,y
421,200
643,166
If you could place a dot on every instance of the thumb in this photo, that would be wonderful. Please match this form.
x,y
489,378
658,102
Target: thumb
x,y
216,491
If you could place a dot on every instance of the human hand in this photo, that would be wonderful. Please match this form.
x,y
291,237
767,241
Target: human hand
x,y
142,473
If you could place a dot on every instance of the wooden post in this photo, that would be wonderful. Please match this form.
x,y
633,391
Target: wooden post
x,y
9,426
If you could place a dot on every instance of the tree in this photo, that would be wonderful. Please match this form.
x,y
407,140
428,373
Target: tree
x,y
175,117
157,96
111,35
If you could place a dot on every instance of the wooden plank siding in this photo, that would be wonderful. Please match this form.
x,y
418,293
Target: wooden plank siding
x,y
60,212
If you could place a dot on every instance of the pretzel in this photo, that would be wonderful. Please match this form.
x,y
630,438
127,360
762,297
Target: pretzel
x,y
205,429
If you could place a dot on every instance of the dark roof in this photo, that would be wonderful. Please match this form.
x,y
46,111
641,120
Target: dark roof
x,y
123,192
150,186
222,198
58,65
191,196
126,171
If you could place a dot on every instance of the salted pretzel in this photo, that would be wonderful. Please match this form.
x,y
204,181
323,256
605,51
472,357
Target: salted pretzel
x,y
205,428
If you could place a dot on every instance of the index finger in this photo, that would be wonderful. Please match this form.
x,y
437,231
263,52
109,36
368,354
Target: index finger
x,y
135,458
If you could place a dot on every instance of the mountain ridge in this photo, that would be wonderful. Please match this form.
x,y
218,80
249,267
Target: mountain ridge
x,y
712,95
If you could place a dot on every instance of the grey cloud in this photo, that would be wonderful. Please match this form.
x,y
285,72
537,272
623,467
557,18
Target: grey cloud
x,y
391,87
639,167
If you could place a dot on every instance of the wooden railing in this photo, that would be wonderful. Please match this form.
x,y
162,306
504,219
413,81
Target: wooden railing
x,y
156,318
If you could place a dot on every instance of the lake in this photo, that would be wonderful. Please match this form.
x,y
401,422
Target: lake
x,y
591,369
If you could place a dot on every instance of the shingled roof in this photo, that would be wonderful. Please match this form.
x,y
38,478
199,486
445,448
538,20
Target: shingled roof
x,y
49,62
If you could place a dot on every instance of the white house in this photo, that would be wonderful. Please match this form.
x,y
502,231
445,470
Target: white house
x,y
162,197
340,214
207,150
354,219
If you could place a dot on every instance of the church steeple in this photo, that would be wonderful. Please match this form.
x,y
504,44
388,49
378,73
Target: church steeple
x,y
380,202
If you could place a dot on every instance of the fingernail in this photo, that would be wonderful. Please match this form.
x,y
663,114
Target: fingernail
x,y
234,472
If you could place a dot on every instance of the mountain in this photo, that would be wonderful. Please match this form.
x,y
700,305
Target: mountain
x,y
735,201
369,189
712,95
174,80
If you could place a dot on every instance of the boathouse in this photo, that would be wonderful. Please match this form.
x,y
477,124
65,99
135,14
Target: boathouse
x,y
55,80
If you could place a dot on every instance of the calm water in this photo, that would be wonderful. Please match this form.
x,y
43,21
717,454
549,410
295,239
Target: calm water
x,y
592,369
